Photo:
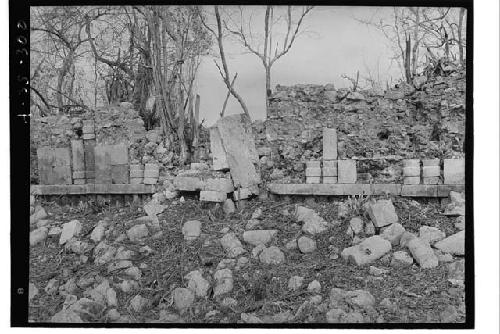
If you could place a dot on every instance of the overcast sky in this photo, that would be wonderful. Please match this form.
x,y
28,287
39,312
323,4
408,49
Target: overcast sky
x,y
337,44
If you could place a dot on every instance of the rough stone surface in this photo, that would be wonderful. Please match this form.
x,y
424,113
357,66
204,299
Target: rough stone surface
x,y
257,237
213,196
367,251
401,259
382,213
38,235
70,230
392,233
306,244
313,223
139,303
137,232
183,298
314,286
295,282
224,282
197,283
454,244
377,271
431,234
422,253
232,245
272,255
228,206
98,233
191,230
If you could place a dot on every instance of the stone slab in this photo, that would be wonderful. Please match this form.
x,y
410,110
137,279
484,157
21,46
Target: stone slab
x,y
431,171
347,171
330,179
411,180
78,155
330,164
219,184
431,162
419,190
212,196
88,147
119,174
313,171
242,193
313,164
329,171
102,158
411,171
330,144
91,189
188,183
454,171
411,163
238,142
313,179
79,175
118,154
219,158
443,190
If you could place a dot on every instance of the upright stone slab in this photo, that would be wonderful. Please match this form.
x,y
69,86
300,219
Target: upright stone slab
x,y
88,147
219,158
102,164
54,165
118,154
347,171
119,174
454,171
78,155
329,144
237,139
45,157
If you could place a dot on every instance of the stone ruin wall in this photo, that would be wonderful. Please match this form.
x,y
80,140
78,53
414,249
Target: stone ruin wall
x,y
115,124
378,129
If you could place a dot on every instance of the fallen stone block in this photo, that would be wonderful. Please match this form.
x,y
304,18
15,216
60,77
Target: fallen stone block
x,y
218,184
422,253
191,230
454,244
188,183
393,233
382,213
401,259
347,171
242,193
313,223
232,245
431,234
213,196
257,237
367,251
454,171
199,166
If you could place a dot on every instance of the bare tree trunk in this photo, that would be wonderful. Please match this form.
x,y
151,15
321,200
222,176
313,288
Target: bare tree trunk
x,y
268,87
460,41
415,42
408,59
60,78
227,96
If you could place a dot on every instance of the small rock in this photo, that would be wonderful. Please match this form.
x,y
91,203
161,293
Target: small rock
x,y
43,222
377,271
306,244
128,286
257,214
335,316
360,298
137,232
224,230
168,317
32,291
228,207
443,257
257,250
113,315
229,302
197,283
38,235
454,244
272,255
314,286
70,230
98,233
252,223
191,230
133,272
422,253
313,223
38,214
224,279
343,210
139,303
460,223
77,246
257,237
295,282
111,297
393,233
249,318
431,234
55,231
226,263
369,229
232,245
242,261
401,259
356,225
183,298
291,245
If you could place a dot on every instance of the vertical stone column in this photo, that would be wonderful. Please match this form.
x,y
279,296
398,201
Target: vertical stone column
x,y
330,144
78,161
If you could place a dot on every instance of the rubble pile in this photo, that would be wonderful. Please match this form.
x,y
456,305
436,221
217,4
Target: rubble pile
x,y
426,121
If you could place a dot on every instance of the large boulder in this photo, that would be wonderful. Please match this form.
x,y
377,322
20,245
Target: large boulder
x,y
367,251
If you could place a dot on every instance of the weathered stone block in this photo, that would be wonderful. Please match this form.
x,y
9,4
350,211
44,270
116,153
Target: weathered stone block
x,y
330,171
382,213
330,179
242,193
150,180
136,180
313,171
134,173
431,180
411,180
219,158
411,171
454,171
79,174
119,174
78,155
118,154
347,171
330,144
454,244
419,190
422,253
431,171
78,181
411,163
313,164
212,196
313,179
219,184
430,162
330,164
102,164
367,251
188,183
88,136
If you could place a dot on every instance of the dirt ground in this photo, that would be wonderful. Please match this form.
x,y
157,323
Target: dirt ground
x,y
406,295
